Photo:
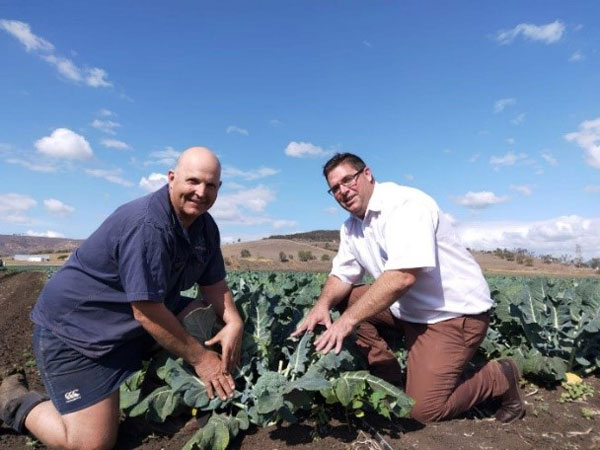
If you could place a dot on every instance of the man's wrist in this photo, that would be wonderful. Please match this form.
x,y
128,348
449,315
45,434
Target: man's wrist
x,y
197,352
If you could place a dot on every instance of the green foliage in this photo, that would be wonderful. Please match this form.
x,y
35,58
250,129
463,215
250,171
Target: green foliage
x,y
549,326
576,392
279,378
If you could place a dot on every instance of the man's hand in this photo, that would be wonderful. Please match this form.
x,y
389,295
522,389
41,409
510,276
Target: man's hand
x,y
318,315
230,339
209,370
333,337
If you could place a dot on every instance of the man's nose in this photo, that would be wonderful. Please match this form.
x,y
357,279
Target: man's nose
x,y
200,190
344,190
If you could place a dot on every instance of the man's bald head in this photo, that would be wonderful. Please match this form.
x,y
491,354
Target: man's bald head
x,y
199,156
194,183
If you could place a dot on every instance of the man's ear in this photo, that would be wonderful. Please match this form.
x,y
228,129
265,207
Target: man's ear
x,y
368,174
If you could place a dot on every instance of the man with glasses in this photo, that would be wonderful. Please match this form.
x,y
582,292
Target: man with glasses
x,y
427,287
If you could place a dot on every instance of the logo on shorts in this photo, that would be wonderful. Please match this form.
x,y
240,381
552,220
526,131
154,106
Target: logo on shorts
x,y
73,395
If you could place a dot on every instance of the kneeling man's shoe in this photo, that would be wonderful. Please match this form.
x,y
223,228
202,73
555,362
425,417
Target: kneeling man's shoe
x,y
16,401
512,407
12,391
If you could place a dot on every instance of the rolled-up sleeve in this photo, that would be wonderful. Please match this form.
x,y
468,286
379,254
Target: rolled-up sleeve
x,y
345,266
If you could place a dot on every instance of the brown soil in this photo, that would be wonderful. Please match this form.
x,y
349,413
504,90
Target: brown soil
x,y
548,424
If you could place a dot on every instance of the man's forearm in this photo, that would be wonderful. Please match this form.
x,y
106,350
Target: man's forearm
x,y
333,292
381,295
164,327
219,296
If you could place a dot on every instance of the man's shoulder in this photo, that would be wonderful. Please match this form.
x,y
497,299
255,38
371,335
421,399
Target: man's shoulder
x,y
151,208
392,194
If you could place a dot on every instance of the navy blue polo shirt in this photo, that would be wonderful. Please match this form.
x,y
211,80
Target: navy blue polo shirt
x,y
140,252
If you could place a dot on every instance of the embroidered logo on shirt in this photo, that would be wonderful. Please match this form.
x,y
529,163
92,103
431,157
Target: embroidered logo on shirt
x,y
73,395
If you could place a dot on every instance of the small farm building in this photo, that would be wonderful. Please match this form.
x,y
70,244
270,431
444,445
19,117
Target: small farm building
x,y
32,258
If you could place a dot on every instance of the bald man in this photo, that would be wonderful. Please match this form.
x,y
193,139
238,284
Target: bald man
x,y
116,297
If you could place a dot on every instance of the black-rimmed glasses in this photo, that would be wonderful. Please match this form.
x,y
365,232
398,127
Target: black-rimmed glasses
x,y
347,181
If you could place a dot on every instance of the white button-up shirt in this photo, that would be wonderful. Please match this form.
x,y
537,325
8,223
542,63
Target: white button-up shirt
x,y
404,228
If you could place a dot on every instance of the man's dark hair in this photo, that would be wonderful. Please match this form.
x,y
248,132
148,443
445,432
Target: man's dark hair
x,y
341,158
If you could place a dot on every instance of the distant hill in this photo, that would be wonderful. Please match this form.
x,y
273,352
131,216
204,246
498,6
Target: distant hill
x,y
14,244
311,236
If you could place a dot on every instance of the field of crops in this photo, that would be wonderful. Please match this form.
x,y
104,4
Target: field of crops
x,y
549,326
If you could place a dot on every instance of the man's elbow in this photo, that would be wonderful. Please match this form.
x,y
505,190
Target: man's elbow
x,y
401,280
141,311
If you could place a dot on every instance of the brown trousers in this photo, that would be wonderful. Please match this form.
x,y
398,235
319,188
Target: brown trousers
x,y
436,360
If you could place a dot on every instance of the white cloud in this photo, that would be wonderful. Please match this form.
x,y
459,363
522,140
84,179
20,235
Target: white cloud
x,y
116,144
36,167
107,126
167,157
523,189
518,119
49,234
22,32
450,218
331,210
13,207
94,76
66,144
281,223
588,138
480,200
510,141
275,122
255,199
507,160
577,56
503,103
242,206
249,175
549,158
557,236
57,207
65,67
105,113
233,129
592,189
153,182
114,176
305,150
367,44
409,177
547,34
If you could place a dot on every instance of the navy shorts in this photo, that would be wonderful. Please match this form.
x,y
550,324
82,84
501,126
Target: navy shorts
x,y
72,380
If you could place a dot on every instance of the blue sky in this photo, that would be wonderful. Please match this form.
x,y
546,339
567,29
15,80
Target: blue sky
x,y
493,108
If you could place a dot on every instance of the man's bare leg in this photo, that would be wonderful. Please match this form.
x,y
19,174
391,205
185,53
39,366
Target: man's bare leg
x,y
94,427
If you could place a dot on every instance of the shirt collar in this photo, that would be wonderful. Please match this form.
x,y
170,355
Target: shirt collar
x,y
376,200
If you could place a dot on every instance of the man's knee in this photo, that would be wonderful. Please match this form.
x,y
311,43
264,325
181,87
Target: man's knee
x,y
356,293
104,441
427,413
